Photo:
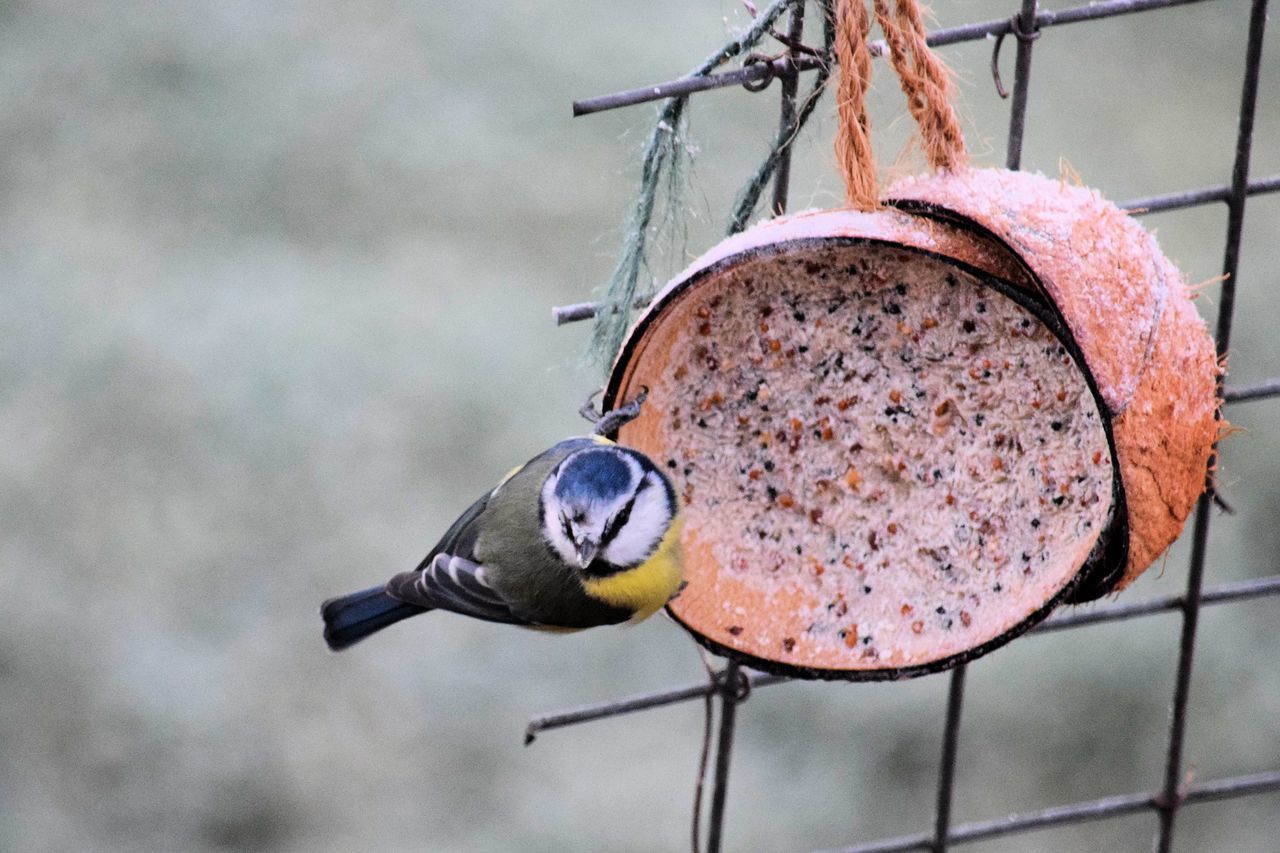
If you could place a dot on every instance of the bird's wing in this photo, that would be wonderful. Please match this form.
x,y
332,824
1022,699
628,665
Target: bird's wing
x,y
451,578
460,538
456,584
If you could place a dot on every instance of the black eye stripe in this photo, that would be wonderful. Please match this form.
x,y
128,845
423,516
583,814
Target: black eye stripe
x,y
616,523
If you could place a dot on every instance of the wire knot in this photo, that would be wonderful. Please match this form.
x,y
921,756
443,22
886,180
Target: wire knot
x,y
1026,36
770,72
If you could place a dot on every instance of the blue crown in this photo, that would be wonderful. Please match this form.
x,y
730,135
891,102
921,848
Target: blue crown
x,y
593,474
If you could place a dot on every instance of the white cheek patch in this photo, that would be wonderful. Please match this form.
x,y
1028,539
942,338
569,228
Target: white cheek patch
x,y
552,529
636,541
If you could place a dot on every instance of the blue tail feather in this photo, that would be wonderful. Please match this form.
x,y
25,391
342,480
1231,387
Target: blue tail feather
x,y
348,619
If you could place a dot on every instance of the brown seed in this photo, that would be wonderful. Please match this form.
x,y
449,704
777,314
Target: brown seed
x,y
774,344
1062,395
796,424
682,371
930,323
788,643
1097,456
942,408
917,627
851,637
852,478
703,312
895,396
818,401
906,609
786,500
704,328
827,433
764,328
870,653
997,464
965,619
735,630
815,514
754,474
893,528
951,499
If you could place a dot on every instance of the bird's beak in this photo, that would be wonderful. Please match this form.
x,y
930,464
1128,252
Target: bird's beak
x,y
586,552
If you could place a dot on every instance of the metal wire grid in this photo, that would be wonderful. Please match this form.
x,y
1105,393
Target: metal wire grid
x,y
732,684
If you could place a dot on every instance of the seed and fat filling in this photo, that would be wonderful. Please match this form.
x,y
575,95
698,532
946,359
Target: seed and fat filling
x,y
876,434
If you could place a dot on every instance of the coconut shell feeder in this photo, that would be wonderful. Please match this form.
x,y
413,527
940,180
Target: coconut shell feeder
x,y
906,431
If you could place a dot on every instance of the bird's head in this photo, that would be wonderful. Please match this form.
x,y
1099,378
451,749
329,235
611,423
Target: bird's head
x,y
606,507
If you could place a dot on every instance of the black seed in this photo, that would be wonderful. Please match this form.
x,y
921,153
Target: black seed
x,y
894,308
1058,500
901,288
688,470
947,624
979,419
1026,558
798,316
768,464
940,609
866,590
671,463
702,422
969,326
798,551
752,394
1056,426
982,307
1035,522
802,348
997,588
772,492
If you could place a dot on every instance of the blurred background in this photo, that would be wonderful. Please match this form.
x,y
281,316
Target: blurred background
x,y
275,296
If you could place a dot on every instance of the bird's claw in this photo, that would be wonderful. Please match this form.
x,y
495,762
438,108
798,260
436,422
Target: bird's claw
x,y
610,422
588,409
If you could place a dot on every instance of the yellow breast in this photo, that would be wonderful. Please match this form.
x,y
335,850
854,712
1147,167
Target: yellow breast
x,y
650,585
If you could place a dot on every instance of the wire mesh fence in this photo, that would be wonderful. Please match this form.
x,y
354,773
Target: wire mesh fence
x,y
732,685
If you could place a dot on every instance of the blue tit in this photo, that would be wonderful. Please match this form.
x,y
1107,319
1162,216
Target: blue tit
x,y
586,533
